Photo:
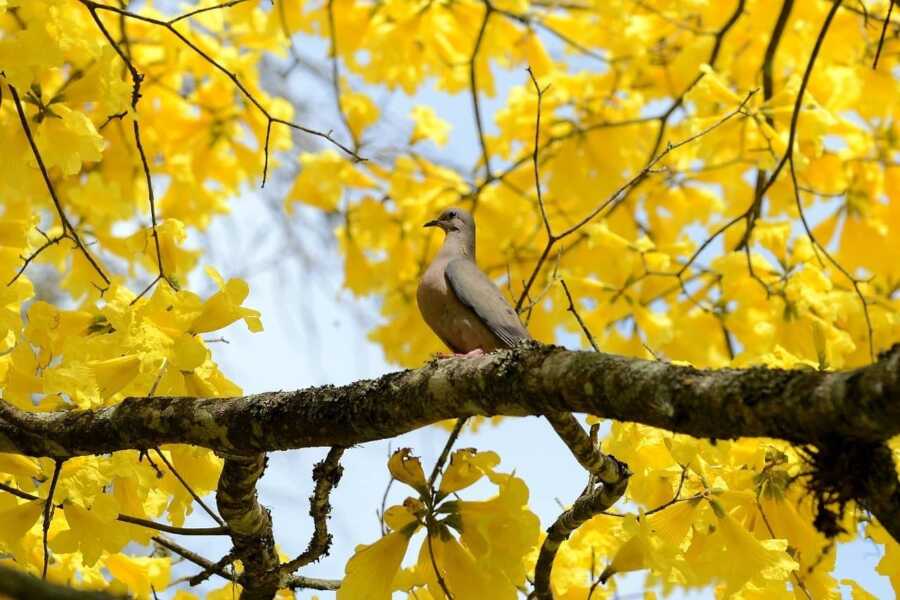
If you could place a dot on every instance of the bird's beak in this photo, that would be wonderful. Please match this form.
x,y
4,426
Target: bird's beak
x,y
434,223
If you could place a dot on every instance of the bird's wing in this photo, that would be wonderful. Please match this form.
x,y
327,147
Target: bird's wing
x,y
478,292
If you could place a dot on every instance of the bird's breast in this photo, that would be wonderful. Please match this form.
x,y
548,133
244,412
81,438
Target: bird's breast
x,y
455,323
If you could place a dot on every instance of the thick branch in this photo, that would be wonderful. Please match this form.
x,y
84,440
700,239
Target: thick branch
x,y
800,406
250,524
603,467
588,504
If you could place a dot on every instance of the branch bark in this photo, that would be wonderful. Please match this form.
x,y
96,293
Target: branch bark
x,y
589,503
250,524
802,406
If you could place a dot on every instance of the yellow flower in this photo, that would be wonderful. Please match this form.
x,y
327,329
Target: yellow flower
x,y
322,180
465,577
224,307
93,531
138,575
742,559
21,467
115,373
466,467
634,553
372,568
400,516
408,469
361,111
17,519
499,532
428,126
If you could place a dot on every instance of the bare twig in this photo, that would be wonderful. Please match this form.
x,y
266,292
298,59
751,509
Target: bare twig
x,y
48,513
209,571
473,89
26,260
451,439
883,34
190,490
129,519
574,311
68,230
336,73
195,558
326,474
800,583
535,154
437,571
197,11
172,529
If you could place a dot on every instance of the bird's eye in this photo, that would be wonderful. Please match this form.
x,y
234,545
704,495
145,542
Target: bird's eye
x,y
452,214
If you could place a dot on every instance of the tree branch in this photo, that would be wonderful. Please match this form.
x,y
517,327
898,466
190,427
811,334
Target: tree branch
x,y
589,503
800,406
327,474
250,524
605,468
859,407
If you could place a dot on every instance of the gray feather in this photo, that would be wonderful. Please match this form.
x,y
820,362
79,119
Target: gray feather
x,y
475,290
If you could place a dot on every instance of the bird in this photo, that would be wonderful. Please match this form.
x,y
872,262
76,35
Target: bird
x,y
458,301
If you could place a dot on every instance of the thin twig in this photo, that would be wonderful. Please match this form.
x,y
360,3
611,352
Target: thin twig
x,y
161,273
67,228
190,490
209,571
535,153
336,73
473,88
26,260
129,519
771,531
194,557
457,428
437,571
326,474
172,529
574,311
48,512
883,34
197,11
17,492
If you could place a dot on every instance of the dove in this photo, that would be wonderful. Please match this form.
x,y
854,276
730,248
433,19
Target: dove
x,y
458,301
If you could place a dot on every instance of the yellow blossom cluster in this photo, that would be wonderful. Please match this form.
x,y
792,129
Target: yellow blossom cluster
x,y
476,548
78,244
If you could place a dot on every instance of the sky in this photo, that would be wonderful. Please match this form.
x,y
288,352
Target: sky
x,y
315,333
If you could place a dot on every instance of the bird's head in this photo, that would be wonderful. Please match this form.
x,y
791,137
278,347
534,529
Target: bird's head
x,y
454,220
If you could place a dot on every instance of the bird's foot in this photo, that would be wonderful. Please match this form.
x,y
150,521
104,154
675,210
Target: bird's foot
x,y
475,352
